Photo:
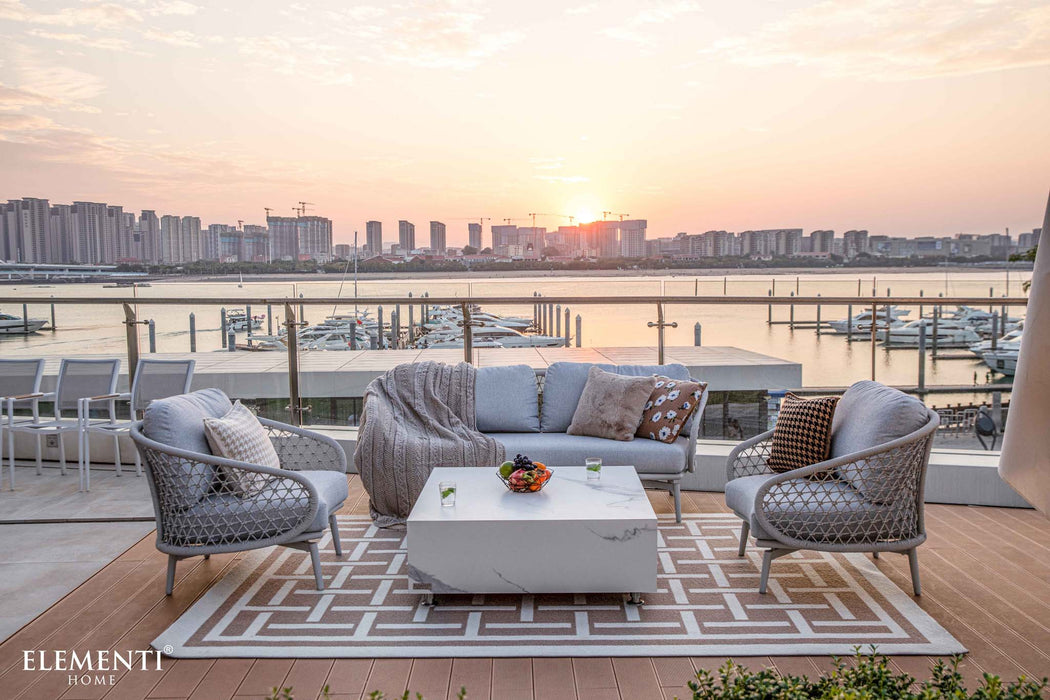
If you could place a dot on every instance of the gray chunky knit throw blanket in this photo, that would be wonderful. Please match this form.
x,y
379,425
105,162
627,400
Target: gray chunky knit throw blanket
x,y
416,417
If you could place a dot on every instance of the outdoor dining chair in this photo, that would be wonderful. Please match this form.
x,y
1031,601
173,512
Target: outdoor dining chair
x,y
154,379
77,379
19,389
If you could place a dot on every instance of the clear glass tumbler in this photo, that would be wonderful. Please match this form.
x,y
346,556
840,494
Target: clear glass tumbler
x,y
594,467
447,489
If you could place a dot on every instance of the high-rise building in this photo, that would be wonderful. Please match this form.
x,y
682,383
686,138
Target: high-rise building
x,y
821,241
64,230
112,233
29,224
171,239
342,251
284,237
6,238
374,237
503,237
406,236
149,236
90,222
315,238
437,238
255,244
788,241
474,235
190,230
632,238
854,243
210,241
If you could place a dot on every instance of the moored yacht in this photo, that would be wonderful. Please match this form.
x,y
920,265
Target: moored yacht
x,y
16,325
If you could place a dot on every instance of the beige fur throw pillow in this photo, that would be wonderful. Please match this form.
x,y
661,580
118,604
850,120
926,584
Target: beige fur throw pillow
x,y
611,405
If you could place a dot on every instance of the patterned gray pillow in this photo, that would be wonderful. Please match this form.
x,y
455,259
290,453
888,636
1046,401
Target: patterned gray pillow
x,y
240,436
611,405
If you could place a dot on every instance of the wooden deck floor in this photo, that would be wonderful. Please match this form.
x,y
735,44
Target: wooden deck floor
x,y
986,578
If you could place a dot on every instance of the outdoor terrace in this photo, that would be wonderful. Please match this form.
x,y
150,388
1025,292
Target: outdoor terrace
x,y
986,574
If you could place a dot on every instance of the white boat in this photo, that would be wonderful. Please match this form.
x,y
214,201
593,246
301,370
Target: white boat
x,y
948,335
15,325
1002,361
1009,341
458,343
861,322
237,320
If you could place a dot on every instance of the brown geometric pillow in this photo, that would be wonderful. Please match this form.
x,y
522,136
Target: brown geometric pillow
x,y
669,407
802,435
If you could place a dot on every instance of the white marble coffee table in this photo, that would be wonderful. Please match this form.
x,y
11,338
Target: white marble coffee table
x,y
574,536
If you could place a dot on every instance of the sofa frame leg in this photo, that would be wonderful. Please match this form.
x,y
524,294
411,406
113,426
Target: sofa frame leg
x,y
333,525
170,585
913,563
745,530
676,489
315,555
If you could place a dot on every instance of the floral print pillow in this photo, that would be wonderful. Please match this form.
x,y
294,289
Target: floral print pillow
x,y
669,407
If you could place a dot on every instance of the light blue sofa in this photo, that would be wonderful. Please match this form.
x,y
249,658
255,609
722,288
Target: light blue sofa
x,y
529,411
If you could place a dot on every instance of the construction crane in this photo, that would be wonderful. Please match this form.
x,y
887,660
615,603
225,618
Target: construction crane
x,y
606,213
240,224
302,207
564,216
507,221
268,210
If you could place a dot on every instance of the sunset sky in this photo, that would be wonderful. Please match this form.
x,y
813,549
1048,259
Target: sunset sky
x,y
905,117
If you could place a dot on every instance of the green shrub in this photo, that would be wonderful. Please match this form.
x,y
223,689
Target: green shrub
x,y
869,679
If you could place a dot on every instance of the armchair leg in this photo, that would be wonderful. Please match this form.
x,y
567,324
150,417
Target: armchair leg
x,y
676,489
913,562
745,530
315,555
767,559
333,525
171,574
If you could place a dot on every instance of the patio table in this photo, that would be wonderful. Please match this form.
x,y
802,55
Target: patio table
x,y
574,536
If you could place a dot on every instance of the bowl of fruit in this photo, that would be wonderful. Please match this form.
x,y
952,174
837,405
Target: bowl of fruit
x,y
522,475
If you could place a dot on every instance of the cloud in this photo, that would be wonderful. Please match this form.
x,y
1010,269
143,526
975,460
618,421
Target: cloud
x,y
109,43
298,56
637,28
901,39
174,7
101,15
173,37
15,99
40,83
585,9
547,163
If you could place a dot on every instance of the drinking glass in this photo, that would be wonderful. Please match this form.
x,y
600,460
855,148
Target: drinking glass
x,y
447,490
594,468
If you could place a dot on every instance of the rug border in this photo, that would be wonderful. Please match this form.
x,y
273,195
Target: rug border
x,y
172,641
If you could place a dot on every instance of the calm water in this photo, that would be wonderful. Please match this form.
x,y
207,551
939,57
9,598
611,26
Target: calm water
x,y
827,360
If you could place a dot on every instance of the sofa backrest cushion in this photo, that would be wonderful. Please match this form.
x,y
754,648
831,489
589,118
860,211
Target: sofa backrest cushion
x,y
178,421
505,400
870,414
565,381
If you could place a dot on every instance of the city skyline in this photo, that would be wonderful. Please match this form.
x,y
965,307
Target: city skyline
x,y
880,114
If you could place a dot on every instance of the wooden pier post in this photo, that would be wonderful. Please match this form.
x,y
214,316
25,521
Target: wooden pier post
x,y
579,331
193,332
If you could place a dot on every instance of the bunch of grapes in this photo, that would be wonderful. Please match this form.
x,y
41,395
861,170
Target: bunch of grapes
x,y
522,462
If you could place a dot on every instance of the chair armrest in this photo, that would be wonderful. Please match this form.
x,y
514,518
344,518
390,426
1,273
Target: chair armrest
x,y
300,449
749,457
106,397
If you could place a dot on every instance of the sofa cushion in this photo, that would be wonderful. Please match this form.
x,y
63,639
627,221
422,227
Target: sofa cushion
x,y
241,437
268,513
560,449
870,414
802,435
506,401
830,512
178,421
669,408
564,384
611,405
562,388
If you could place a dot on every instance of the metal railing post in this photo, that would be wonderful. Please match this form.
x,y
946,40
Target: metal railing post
x,y
269,319
995,330
54,328
25,318
769,310
791,320
660,325
132,331
193,332
468,334
152,336
849,321
292,339
557,320
933,341
874,330
922,356
379,328
567,317
818,317
411,321
222,325
395,328
579,331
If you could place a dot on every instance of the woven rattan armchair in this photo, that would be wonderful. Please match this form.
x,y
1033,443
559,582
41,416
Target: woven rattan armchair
x,y
867,500
202,510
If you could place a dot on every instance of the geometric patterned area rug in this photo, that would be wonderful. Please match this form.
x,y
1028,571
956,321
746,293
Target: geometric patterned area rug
x,y
707,605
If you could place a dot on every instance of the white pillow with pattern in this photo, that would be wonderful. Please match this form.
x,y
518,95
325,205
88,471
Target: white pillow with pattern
x,y
240,436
